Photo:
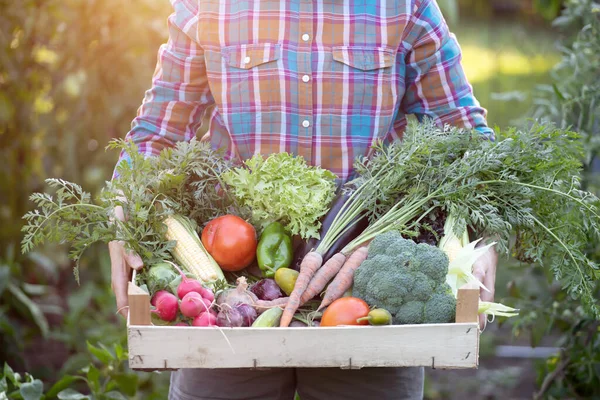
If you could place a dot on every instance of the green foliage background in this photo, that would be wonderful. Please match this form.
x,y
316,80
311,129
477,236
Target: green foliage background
x,y
73,73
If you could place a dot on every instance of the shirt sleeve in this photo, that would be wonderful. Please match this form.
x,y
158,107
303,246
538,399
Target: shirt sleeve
x,y
436,85
173,108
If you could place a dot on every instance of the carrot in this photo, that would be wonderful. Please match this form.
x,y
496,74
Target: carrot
x,y
345,278
323,276
264,305
310,264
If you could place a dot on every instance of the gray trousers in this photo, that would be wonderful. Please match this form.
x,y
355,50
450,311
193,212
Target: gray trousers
x,y
310,383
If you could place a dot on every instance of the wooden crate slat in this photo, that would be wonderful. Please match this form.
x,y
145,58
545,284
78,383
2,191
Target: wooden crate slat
x,y
467,305
436,345
139,306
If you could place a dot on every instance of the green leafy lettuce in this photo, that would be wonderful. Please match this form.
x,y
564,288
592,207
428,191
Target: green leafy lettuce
x,y
283,188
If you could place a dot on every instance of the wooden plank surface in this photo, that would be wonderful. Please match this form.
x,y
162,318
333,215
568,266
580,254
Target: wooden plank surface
x,y
436,345
139,306
467,305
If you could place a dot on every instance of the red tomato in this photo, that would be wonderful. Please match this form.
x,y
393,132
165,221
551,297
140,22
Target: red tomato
x,y
345,311
231,241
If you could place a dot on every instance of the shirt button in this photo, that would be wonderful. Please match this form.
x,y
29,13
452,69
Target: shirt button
x,y
306,123
247,60
305,78
305,37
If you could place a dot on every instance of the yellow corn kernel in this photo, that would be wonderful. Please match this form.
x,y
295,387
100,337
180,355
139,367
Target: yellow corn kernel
x,y
190,252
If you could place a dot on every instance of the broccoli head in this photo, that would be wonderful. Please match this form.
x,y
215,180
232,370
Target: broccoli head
x,y
440,308
407,279
410,313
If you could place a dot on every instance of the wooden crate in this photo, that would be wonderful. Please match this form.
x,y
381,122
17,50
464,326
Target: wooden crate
x,y
443,346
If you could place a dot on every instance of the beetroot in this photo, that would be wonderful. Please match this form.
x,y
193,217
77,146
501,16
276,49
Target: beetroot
x,y
205,319
267,289
248,313
166,305
230,317
192,304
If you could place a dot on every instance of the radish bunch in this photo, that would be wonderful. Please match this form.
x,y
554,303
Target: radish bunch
x,y
195,303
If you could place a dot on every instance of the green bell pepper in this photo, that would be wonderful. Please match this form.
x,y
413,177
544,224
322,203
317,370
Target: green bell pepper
x,y
274,249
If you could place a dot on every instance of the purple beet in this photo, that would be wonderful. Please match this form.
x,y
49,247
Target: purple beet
x,y
266,289
248,313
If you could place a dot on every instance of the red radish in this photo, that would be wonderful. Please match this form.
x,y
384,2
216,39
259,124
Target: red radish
x,y
205,319
207,294
207,304
157,296
187,284
166,305
192,304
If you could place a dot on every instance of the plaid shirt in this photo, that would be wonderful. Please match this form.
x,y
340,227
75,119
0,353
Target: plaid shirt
x,y
319,78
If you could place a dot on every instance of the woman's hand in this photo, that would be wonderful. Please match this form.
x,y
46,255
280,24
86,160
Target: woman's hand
x,y
121,263
484,270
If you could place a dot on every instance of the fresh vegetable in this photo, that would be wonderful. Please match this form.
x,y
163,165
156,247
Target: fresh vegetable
x,y
523,185
497,309
322,277
286,279
462,255
207,294
205,319
263,305
230,317
352,231
238,295
185,285
189,250
269,318
310,265
231,241
188,285
266,289
248,314
274,249
283,188
192,304
207,304
156,296
182,180
159,276
345,277
346,311
166,305
377,316
297,324
407,279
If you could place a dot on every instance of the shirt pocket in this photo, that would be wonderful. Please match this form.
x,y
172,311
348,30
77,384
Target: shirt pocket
x,y
364,58
244,81
372,93
248,56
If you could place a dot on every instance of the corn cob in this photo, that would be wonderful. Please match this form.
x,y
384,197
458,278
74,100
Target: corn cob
x,y
189,251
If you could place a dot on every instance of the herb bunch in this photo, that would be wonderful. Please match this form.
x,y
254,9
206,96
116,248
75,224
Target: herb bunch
x,y
525,185
183,179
